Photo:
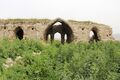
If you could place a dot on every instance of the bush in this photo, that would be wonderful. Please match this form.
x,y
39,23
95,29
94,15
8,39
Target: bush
x,y
44,61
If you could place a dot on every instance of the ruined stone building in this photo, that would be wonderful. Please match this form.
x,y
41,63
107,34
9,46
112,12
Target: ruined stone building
x,y
45,29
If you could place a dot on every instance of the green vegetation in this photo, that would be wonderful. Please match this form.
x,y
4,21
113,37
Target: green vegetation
x,y
44,61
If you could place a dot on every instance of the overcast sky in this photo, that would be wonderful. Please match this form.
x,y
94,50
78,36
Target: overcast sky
x,y
101,11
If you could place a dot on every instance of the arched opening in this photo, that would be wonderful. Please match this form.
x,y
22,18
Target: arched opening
x,y
61,27
49,38
94,35
91,34
65,37
19,33
57,23
57,36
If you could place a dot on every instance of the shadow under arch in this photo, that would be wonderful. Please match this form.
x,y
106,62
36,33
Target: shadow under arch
x,y
63,29
94,36
19,33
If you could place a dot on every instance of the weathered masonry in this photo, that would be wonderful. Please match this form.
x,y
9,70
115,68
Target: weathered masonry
x,y
45,29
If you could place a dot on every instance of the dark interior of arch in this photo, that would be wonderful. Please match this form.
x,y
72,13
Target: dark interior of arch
x,y
19,33
95,35
63,29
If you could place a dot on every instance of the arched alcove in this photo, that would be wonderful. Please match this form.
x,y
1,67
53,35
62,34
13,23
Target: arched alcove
x,y
93,35
19,33
61,27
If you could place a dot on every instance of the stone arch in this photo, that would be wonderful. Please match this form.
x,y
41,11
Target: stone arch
x,y
62,28
19,33
95,35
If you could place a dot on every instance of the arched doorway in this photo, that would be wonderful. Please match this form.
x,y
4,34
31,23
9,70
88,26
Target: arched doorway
x,y
19,33
94,35
59,26
57,36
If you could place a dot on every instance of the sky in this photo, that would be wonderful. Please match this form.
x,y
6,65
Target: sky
x,y
100,11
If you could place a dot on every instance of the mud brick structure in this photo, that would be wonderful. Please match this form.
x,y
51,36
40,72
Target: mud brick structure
x,y
43,28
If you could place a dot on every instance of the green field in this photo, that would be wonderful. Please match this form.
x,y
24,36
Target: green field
x,y
44,61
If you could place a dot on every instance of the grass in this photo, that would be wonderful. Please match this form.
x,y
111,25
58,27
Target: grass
x,y
45,61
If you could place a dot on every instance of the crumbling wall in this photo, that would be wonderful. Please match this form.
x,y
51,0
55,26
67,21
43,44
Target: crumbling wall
x,y
36,29
82,30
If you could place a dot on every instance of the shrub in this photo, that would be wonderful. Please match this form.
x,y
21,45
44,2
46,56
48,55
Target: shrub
x,y
45,61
